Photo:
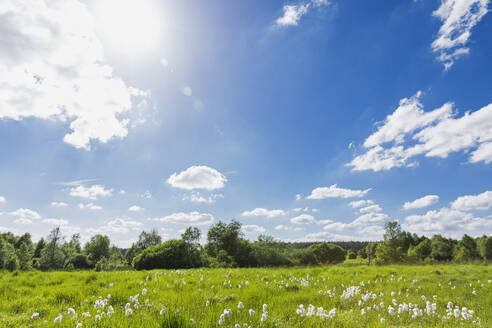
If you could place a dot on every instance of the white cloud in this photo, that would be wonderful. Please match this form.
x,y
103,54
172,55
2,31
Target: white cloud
x,y
410,131
303,219
191,218
52,67
371,209
135,208
122,192
334,192
25,213
59,204
298,197
458,18
23,221
90,206
421,202
360,203
187,91
253,229
146,194
198,177
448,222
315,210
195,197
2,199
292,14
325,221
92,192
287,228
57,222
75,182
117,225
264,212
481,201
164,62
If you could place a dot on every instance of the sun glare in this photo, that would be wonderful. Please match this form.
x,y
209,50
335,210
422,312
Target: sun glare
x,y
130,26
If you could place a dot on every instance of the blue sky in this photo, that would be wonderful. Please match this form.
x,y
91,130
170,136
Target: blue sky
x,y
307,120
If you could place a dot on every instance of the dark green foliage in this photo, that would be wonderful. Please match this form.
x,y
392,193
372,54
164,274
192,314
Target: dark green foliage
x,y
326,253
171,254
97,248
81,262
484,245
466,249
12,263
442,249
351,255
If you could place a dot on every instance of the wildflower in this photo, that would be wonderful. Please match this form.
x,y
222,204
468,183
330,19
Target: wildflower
x,y
251,312
111,285
70,311
34,315
263,316
362,312
98,317
265,308
128,311
192,321
144,291
86,314
59,318
383,321
391,310
79,325
207,303
240,305
237,325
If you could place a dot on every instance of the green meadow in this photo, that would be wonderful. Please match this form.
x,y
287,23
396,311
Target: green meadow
x,y
344,295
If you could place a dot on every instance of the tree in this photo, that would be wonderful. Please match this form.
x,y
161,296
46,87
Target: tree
x,y
392,231
371,251
39,247
97,248
24,257
75,242
148,239
6,251
12,262
51,255
326,253
442,249
226,239
422,250
466,249
484,245
168,255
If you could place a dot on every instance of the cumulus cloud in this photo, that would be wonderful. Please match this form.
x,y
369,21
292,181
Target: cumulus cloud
x,y
409,131
146,194
458,18
52,67
298,196
287,228
360,203
303,219
448,222
118,225
187,91
2,199
92,192
59,204
198,177
191,218
421,202
196,197
25,213
481,201
135,208
292,14
371,209
263,212
334,192
56,222
90,206
252,229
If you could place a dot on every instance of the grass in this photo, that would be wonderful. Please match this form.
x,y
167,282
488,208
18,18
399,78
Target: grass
x,y
177,298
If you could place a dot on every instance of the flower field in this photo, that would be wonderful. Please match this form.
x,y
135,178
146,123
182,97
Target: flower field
x,y
334,296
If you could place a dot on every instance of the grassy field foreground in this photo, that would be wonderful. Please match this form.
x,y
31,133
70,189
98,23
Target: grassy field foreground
x,y
336,296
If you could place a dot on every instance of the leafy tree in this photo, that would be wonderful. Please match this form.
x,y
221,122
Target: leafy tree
x,y
97,248
442,250
362,253
422,250
371,251
191,240
466,249
484,245
225,242
12,262
169,255
81,262
6,251
24,257
52,257
326,253
148,239
75,242
351,255
39,247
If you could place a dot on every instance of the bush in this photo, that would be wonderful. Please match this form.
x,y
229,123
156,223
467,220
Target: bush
x,y
81,261
172,254
12,263
351,255
484,245
326,253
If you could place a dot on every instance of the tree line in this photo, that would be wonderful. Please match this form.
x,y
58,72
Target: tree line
x,y
227,247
